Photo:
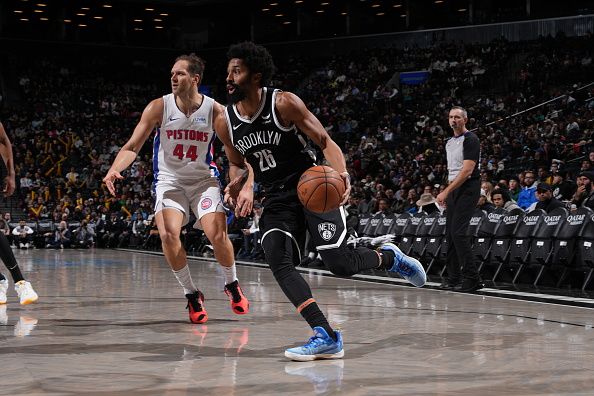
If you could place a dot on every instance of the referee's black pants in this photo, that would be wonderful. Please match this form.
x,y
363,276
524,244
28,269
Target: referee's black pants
x,y
461,204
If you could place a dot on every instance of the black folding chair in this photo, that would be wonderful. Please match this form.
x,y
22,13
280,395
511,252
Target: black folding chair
x,y
363,221
542,244
385,225
500,244
573,246
399,224
520,245
409,232
436,241
483,234
423,231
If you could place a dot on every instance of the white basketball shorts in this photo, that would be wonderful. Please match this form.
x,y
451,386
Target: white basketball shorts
x,y
202,198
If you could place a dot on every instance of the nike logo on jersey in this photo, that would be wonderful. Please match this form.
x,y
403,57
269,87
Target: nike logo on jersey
x,y
171,119
266,117
237,126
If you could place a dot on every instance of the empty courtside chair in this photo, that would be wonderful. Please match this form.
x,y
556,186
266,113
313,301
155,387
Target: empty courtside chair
x,y
372,225
399,224
385,225
363,221
423,232
541,246
500,245
475,222
410,231
519,252
484,233
436,242
576,250
586,249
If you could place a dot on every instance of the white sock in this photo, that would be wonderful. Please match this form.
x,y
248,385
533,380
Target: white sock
x,y
230,274
185,280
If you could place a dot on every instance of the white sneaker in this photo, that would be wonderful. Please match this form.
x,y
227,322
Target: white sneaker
x,y
24,326
27,245
3,290
26,293
21,245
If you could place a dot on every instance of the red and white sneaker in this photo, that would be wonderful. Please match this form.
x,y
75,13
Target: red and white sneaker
x,y
239,303
195,307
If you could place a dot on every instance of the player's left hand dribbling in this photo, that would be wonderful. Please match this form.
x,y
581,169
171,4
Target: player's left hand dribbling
x,y
239,196
347,190
245,201
232,191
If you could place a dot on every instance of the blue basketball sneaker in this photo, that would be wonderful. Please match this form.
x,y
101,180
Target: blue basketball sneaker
x,y
320,346
408,267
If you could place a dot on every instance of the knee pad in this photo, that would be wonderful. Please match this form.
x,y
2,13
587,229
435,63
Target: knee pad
x,y
280,249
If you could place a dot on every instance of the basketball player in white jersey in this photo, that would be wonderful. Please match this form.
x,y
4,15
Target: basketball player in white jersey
x,y
185,178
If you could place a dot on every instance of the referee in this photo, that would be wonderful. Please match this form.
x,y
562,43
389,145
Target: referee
x,y
460,198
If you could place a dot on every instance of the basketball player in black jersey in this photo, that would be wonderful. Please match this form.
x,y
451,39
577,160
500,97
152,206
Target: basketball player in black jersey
x,y
270,129
23,288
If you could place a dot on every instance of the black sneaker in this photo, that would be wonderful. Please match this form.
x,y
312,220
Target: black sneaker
x,y
469,285
449,285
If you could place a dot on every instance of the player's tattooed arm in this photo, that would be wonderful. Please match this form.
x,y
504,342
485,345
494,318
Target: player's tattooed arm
x,y
292,110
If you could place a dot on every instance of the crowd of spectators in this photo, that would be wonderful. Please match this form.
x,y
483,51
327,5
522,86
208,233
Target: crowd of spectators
x,y
394,135
71,123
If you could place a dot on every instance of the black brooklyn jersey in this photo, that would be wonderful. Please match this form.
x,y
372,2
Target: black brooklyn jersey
x,y
278,155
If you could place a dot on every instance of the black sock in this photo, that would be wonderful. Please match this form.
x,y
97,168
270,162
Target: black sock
x,y
8,258
314,317
387,259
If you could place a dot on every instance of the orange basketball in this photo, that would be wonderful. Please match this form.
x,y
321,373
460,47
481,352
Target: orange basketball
x,y
320,189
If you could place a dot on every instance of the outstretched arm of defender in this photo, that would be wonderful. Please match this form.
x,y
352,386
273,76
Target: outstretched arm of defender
x,y
291,109
151,117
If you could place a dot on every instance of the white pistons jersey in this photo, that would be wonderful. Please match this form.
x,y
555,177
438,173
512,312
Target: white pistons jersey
x,y
184,146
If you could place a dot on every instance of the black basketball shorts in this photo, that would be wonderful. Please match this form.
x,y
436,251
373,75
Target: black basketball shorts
x,y
285,213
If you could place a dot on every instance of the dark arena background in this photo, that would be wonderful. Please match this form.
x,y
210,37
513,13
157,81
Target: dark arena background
x,y
381,77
